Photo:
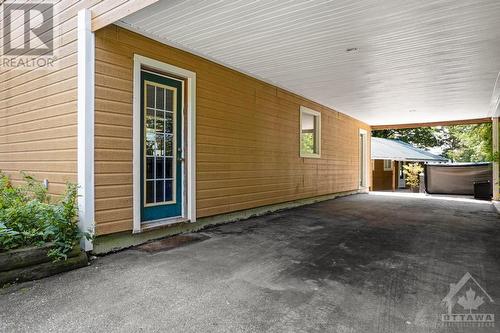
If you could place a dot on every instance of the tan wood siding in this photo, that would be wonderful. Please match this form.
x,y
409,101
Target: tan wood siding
x,y
38,113
247,136
382,180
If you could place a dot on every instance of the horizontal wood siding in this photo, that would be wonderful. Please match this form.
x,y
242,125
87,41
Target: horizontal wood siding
x,y
38,110
247,136
38,113
382,180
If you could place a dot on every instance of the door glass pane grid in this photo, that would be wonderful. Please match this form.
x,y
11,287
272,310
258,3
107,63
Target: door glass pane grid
x,y
162,99
160,144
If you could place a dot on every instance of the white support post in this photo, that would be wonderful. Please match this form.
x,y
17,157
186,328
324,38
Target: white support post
x,y
496,152
364,159
85,125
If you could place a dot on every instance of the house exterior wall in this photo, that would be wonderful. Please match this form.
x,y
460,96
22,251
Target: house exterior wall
x,y
38,113
247,133
381,180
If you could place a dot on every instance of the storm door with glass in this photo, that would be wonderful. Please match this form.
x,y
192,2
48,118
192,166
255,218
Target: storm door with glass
x,y
161,147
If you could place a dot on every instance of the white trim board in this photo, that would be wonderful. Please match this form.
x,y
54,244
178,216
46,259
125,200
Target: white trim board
x,y
85,145
189,125
364,185
390,167
317,133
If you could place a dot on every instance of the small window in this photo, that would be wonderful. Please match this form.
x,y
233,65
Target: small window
x,y
387,165
310,133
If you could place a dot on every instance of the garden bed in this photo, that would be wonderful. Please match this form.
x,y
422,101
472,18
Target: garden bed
x,y
32,263
39,235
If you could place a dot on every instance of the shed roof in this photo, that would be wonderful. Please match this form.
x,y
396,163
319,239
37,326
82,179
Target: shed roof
x,y
389,149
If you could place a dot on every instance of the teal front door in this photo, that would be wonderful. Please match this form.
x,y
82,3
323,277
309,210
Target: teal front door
x,y
161,147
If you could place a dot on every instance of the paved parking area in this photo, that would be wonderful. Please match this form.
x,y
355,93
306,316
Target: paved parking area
x,y
363,263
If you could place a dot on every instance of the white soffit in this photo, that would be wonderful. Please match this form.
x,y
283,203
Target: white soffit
x,y
416,61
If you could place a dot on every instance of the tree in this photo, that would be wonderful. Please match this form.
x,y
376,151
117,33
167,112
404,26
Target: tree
x,y
421,137
459,143
469,143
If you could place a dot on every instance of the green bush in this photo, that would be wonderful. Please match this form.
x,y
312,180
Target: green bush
x,y
28,217
412,173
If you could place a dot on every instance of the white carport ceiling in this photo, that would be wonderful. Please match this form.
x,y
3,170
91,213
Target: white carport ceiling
x,y
416,61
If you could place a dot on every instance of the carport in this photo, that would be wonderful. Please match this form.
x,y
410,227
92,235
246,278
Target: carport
x,y
363,263
391,65
259,79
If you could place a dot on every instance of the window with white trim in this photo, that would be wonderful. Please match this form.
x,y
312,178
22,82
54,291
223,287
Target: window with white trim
x,y
387,165
310,133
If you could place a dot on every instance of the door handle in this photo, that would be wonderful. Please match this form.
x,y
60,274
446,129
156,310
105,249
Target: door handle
x,y
179,154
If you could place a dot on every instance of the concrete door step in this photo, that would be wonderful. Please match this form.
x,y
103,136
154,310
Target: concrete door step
x,y
170,243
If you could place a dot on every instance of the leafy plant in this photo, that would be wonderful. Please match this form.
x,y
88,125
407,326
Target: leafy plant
x,y
412,173
34,189
28,217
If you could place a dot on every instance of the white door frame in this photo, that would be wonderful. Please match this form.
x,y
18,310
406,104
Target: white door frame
x,y
189,125
363,183
401,181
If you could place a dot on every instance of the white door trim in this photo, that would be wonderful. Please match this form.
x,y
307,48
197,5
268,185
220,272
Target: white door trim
x,y
85,126
189,125
402,181
363,184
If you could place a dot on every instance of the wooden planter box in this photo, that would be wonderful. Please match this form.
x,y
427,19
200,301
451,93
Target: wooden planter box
x,y
31,263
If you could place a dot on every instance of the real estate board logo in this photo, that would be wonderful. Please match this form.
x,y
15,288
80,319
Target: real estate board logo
x,y
28,35
466,303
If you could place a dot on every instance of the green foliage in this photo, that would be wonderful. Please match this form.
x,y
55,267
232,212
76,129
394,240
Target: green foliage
x,y
33,189
459,143
412,173
307,143
29,218
469,143
421,137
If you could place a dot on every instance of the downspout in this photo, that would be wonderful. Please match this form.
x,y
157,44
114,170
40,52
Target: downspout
x,y
86,58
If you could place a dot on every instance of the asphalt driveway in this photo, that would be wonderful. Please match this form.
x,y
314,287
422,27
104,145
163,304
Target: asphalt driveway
x,y
364,263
